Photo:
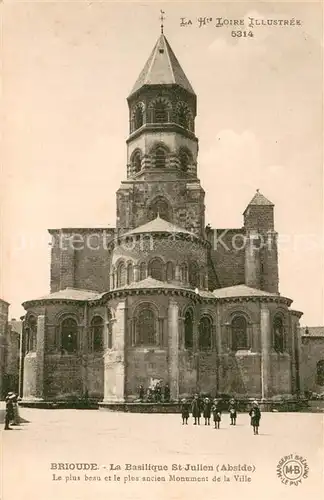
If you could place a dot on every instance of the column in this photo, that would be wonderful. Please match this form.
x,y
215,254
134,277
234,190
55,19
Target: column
x,y
219,349
85,347
265,351
114,359
136,273
111,281
252,260
173,346
40,355
177,272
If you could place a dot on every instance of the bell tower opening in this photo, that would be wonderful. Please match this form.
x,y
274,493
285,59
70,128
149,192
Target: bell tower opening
x,y
160,208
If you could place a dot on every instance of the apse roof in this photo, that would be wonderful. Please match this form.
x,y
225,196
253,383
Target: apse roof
x,y
150,282
159,225
162,68
69,294
241,291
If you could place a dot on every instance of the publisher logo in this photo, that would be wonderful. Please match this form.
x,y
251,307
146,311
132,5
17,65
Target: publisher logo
x,y
292,469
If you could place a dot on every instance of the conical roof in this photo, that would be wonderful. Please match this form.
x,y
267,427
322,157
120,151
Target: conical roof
x,y
259,199
162,68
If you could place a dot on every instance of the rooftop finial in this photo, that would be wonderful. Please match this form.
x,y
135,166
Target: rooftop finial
x,y
258,190
162,19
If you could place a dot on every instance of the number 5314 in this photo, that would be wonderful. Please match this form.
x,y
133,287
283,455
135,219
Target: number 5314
x,y
243,34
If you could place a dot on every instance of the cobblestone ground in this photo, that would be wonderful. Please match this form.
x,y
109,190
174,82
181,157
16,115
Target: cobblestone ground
x,y
54,436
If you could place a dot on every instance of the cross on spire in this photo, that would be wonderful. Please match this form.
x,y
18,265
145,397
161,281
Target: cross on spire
x,y
162,17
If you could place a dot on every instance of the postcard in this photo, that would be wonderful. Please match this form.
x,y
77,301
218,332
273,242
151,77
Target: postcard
x,y
162,327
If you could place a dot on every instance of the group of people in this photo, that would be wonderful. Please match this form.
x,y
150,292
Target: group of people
x,y
12,412
208,407
157,392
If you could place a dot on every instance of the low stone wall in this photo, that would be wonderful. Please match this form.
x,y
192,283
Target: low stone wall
x,y
173,407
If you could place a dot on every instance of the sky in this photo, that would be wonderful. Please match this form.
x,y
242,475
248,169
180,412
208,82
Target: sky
x,y
67,69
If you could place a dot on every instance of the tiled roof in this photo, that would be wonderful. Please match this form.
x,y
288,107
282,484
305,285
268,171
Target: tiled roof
x,y
312,331
241,291
259,199
150,282
159,225
162,68
70,294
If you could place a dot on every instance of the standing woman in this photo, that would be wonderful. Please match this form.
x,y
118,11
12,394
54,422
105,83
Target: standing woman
x,y
255,415
195,409
232,408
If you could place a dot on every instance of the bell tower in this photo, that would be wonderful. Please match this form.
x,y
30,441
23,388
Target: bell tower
x,y
162,148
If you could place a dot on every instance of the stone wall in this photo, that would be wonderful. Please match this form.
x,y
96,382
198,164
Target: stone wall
x,y
184,197
227,262
80,259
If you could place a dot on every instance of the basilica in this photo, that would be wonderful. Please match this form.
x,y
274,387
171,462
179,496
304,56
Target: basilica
x,y
163,295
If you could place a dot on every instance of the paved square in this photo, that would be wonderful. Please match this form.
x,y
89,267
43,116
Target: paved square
x,y
103,438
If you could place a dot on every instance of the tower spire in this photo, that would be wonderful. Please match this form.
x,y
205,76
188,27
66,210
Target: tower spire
x,y
162,19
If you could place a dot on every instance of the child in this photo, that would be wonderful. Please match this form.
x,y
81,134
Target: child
x,y
255,415
184,411
16,419
232,407
217,413
196,410
207,410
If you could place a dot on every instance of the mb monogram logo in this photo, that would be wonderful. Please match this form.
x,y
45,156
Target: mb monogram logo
x,y
292,469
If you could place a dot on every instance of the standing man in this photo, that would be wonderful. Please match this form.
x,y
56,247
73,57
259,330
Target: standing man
x,y
166,393
9,411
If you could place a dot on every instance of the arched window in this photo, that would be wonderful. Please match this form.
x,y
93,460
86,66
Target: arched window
x,y
136,162
320,372
146,327
121,275
69,335
170,271
156,269
205,333
97,328
138,117
160,158
31,334
130,277
142,272
160,112
184,160
239,333
184,273
278,334
160,207
182,116
194,275
109,339
188,330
